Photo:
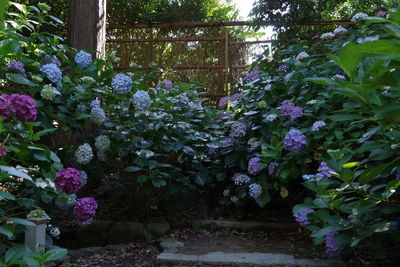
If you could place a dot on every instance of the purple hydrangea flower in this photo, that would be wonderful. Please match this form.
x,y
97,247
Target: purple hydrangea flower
x,y
315,37
283,68
294,141
166,84
331,249
253,75
272,166
255,190
224,101
317,126
52,72
301,217
83,59
237,97
240,179
85,209
324,169
382,14
23,107
398,175
3,151
253,168
5,105
69,180
238,129
121,83
19,66
227,141
288,109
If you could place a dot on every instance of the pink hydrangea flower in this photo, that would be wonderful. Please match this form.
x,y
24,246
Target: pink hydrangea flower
x,y
69,180
3,151
85,209
23,107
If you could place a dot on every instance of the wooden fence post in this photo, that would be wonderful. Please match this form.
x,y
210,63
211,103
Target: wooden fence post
x,y
87,25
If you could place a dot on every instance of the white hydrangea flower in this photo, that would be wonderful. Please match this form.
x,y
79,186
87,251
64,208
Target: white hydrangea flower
x,y
41,183
358,17
327,35
368,39
340,30
145,153
302,55
84,178
49,92
84,154
98,115
312,102
102,142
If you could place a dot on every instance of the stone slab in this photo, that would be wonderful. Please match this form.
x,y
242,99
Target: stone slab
x,y
245,259
248,225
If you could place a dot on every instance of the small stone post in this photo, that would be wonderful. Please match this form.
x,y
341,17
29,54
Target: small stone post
x,y
35,236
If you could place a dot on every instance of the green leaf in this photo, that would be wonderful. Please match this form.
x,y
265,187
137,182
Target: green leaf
x,y
132,169
159,182
56,254
19,79
350,165
14,253
14,172
5,195
371,174
21,221
6,232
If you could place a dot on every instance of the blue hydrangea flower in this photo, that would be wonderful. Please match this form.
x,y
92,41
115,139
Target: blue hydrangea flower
x,y
238,129
253,75
255,190
19,66
272,167
52,72
121,83
97,115
253,168
288,109
227,141
283,68
302,55
317,126
95,103
312,177
325,170
83,59
141,100
84,154
331,249
240,179
84,178
301,217
294,141
253,144
102,142
359,17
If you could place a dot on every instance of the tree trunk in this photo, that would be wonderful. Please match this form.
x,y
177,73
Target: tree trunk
x,y
87,25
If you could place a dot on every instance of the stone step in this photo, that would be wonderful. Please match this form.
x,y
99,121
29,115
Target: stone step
x,y
248,226
244,259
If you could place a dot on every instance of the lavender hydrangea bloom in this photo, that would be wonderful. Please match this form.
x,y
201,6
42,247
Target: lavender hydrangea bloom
x,y
237,97
382,14
52,72
19,66
340,30
240,179
253,75
301,217
102,142
84,154
255,190
331,249
238,130
253,168
224,101
83,59
121,83
141,100
302,55
398,175
97,115
324,169
23,107
69,180
283,68
288,109
166,84
317,126
272,167
85,209
294,141
227,141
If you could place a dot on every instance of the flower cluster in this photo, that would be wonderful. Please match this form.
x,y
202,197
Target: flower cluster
x,y
362,40
121,83
240,179
294,141
271,117
382,14
238,129
331,249
166,84
253,144
359,17
95,103
237,97
85,210
22,106
288,109
340,30
253,75
272,167
16,65
102,142
327,35
52,72
301,217
88,79
97,115
83,59
302,55
227,141
325,170
49,92
3,151
141,100
317,126
255,190
84,154
312,177
224,101
69,180
253,168
283,68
